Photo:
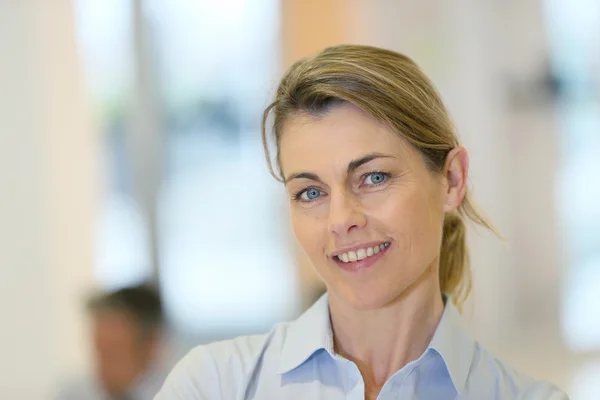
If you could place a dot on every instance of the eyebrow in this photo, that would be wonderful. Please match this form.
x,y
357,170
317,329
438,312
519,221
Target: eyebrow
x,y
352,166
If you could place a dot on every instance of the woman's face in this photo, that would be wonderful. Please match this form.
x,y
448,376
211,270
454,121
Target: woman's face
x,y
364,206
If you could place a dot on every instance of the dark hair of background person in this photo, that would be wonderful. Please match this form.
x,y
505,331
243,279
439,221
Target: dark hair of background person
x,y
142,303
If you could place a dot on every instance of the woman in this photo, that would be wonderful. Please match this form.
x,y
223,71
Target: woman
x,y
378,193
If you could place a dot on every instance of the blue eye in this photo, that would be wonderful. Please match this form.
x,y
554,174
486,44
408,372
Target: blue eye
x,y
310,194
375,178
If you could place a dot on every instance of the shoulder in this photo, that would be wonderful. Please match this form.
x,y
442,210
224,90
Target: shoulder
x,y
224,367
490,373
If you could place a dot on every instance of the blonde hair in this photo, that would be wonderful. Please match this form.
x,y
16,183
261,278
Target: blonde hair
x,y
393,89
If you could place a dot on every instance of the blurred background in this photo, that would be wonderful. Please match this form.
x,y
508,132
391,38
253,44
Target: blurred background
x,y
130,151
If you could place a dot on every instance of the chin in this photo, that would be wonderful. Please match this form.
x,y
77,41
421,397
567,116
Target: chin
x,y
366,299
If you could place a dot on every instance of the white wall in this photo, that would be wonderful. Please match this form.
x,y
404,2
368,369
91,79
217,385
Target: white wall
x,y
47,194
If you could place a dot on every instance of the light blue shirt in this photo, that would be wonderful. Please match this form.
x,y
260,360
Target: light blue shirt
x,y
296,361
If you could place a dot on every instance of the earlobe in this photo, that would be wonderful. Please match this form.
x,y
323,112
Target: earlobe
x,y
456,172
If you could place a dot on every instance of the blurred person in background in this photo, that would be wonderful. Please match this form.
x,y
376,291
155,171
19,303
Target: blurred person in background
x,y
129,343
377,182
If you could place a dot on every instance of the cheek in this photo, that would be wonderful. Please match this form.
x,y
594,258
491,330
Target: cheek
x,y
310,229
410,218
427,224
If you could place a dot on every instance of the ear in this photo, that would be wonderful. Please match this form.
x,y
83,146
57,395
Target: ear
x,y
456,172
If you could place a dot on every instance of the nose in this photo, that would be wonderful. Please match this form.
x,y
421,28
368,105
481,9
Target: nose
x,y
345,213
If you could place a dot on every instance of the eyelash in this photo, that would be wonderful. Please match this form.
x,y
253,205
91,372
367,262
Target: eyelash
x,y
296,196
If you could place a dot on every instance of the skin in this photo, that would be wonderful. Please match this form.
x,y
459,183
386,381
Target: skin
x,y
352,181
122,353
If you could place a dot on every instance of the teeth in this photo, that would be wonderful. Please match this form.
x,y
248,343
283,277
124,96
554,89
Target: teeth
x,y
352,256
361,254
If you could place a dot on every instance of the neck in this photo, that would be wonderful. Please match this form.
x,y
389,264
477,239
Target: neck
x,y
382,341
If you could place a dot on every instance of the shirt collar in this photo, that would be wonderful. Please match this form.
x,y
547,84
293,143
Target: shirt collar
x,y
306,335
312,332
454,344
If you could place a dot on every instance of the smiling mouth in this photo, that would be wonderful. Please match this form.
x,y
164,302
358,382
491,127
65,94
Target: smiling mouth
x,y
361,254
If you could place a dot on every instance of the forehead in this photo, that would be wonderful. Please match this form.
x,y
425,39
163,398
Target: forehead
x,y
332,140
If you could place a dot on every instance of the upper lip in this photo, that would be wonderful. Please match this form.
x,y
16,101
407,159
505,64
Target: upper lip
x,y
355,247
